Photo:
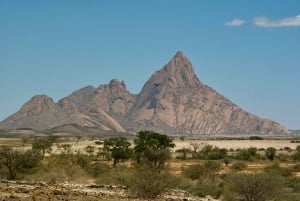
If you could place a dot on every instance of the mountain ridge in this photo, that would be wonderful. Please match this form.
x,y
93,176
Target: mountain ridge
x,y
173,101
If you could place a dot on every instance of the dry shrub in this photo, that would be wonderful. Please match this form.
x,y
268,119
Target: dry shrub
x,y
106,174
57,169
238,166
149,183
252,187
193,171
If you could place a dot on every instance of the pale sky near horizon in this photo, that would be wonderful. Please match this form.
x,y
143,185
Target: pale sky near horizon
x,y
249,51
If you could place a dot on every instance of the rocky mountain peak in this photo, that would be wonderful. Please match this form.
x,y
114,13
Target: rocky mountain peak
x,y
78,98
38,102
116,83
41,98
113,98
177,73
172,101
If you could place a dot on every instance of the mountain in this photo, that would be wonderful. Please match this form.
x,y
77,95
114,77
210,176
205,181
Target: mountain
x,y
172,101
40,112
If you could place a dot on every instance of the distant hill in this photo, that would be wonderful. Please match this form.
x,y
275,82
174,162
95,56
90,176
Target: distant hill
x,y
173,101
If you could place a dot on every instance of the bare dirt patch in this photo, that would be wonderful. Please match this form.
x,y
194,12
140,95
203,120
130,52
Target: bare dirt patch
x,y
238,144
25,191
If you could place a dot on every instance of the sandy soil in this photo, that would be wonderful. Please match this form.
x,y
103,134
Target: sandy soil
x,y
228,144
238,144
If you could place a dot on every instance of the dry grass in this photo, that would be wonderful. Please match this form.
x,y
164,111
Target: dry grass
x,y
278,144
239,144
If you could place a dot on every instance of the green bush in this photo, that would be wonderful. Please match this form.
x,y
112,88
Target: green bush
x,y
256,138
296,167
249,154
97,169
252,187
212,190
283,157
209,152
238,166
275,170
60,168
270,153
294,184
112,176
81,160
226,161
148,183
193,171
288,149
288,197
210,171
98,142
296,155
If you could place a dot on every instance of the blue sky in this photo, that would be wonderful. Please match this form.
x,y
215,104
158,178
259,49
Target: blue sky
x,y
249,51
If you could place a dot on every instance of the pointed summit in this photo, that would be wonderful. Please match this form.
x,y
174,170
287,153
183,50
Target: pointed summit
x,y
173,101
177,75
180,72
179,60
179,53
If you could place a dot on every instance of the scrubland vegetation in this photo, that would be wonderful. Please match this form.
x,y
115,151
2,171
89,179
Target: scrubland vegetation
x,y
150,164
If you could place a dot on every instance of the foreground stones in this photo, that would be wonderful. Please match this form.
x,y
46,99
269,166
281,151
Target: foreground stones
x,y
27,191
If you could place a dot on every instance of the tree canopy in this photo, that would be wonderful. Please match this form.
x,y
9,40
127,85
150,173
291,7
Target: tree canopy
x,y
16,160
119,148
153,148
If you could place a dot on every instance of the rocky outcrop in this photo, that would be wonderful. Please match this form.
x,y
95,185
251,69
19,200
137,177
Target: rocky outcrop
x,y
40,113
172,101
113,99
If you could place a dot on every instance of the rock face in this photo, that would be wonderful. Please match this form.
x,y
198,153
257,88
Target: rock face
x,y
172,101
175,101
39,113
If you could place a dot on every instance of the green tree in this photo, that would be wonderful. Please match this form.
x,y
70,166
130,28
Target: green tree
x,y
247,154
16,160
153,148
195,149
296,155
119,148
270,153
209,152
42,146
226,161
